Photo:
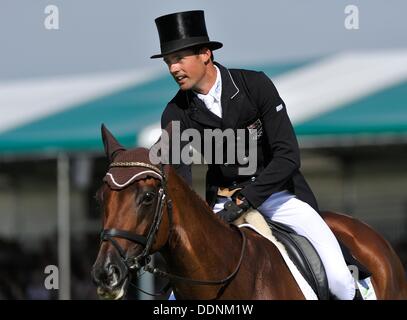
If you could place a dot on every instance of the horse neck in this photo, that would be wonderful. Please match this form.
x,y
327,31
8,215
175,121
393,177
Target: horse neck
x,y
201,245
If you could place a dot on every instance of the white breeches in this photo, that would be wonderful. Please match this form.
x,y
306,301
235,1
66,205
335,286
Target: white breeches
x,y
285,208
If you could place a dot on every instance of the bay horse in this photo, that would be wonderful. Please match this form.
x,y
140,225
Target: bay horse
x,y
148,209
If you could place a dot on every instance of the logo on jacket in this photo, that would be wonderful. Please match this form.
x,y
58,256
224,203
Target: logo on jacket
x,y
255,129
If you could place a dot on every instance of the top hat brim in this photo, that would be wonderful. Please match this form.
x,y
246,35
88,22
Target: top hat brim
x,y
213,45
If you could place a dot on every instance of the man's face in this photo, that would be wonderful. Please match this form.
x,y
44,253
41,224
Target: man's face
x,y
188,68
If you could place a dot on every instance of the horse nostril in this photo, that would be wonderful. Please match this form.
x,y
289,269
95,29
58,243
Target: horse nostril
x,y
113,275
111,269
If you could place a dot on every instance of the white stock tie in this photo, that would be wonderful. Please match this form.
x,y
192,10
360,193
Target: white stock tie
x,y
212,105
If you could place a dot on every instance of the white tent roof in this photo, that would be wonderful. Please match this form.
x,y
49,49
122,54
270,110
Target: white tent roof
x,y
309,90
27,100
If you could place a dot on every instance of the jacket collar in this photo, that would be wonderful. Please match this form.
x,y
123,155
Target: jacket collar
x,y
229,87
230,91
231,102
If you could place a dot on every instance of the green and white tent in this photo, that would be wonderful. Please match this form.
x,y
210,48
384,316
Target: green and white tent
x,y
349,98
344,99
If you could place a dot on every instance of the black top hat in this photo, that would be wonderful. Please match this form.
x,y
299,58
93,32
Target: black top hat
x,y
182,30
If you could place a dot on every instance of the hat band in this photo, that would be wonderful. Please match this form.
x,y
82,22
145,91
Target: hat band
x,y
171,46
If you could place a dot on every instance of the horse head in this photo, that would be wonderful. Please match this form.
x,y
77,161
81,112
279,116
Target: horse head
x,y
132,199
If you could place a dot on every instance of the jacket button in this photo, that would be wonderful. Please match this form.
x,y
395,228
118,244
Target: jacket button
x,y
234,183
226,164
253,179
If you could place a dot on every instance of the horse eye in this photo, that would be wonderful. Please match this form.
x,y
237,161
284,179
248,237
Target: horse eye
x,y
148,198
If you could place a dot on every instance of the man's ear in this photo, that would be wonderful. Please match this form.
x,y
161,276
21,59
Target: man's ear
x,y
112,146
207,53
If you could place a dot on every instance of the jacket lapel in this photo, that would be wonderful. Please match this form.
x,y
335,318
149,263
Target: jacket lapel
x,y
231,99
231,104
199,112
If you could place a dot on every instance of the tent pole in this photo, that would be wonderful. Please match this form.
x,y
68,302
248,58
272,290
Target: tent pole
x,y
64,259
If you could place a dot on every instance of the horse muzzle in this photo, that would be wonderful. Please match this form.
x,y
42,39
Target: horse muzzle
x,y
115,293
111,279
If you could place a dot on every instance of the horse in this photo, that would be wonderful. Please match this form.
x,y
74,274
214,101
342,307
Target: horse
x,y
149,209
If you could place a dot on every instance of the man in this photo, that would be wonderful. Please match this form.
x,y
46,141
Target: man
x,y
214,97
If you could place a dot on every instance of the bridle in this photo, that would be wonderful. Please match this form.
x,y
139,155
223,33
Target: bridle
x,y
146,241
142,260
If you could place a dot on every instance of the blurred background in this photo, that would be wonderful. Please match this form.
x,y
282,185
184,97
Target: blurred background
x,y
342,71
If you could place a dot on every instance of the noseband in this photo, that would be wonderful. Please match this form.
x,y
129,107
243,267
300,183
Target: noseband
x,y
142,260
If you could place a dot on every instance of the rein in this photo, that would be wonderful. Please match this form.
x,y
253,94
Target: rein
x,y
142,260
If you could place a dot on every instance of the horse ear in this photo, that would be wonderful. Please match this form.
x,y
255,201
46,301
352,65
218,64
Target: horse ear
x,y
112,146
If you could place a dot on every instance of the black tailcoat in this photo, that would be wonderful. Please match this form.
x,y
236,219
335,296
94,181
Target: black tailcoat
x,y
246,97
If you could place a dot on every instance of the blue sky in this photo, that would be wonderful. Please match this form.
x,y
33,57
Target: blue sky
x,y
106,35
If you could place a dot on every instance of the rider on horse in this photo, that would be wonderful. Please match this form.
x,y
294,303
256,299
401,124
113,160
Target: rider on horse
x,y
212,96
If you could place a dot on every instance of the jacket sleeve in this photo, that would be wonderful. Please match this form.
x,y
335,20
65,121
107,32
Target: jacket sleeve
x,y
280,136
168,117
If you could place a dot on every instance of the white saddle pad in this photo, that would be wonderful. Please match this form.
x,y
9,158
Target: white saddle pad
x,y
255,221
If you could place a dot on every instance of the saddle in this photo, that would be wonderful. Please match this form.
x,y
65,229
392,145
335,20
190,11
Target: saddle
x,y
307,260
303,254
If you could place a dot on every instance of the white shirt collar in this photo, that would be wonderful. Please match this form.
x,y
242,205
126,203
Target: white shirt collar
x,y
216,90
